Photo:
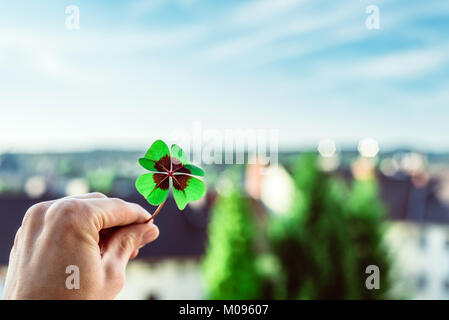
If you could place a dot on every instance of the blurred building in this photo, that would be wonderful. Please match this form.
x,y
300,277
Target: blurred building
x,y
168,278
421,255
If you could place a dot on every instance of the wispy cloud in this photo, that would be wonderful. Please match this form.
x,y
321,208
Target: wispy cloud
x,y
261,11
410,63
283,36
142,7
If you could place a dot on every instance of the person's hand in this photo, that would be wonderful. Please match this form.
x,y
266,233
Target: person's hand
x,y
96,234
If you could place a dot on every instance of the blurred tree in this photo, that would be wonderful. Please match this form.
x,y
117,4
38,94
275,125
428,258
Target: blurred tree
x,y
100,180
230,262
321,253
366,213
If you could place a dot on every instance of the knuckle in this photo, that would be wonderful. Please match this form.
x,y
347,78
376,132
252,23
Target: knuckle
x,y
98,195
66,207
34,214
65,212
119,202
129,242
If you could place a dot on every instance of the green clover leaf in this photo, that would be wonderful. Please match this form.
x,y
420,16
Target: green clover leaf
x,y
169,167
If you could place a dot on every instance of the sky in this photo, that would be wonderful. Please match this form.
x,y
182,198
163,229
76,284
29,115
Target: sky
x,y
137,70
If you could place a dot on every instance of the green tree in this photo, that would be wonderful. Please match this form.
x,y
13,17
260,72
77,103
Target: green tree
x,y
366,214
322,244
101,180
230,263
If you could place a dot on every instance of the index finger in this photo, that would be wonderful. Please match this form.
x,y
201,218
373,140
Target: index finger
x,y
114,212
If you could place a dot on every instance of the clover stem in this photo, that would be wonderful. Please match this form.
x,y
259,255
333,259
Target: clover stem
x,y
157,211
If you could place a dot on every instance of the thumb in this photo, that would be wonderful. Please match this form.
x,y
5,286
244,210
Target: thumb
x,y
124,243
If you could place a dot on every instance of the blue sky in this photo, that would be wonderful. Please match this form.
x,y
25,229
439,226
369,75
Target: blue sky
x,y
309,68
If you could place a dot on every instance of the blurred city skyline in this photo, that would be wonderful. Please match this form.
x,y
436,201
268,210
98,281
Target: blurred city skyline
x,y
137,70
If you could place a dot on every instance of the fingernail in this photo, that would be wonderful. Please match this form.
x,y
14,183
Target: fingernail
x,y
149,235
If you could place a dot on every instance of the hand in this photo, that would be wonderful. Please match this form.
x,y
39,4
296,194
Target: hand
x,y
99,235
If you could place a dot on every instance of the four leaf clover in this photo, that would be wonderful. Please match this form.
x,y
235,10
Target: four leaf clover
x,y
169,167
